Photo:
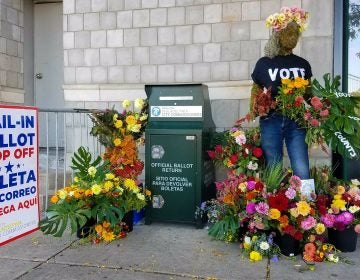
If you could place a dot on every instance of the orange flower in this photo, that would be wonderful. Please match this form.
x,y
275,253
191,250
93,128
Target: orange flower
x,y
88,193
284,220
106,224
308,257
229,199
251,195
98,228
310,248
54,199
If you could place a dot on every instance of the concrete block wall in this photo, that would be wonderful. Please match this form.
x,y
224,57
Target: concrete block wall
x,y
113,48
11,51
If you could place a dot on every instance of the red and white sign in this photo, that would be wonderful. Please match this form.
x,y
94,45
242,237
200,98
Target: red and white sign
x,y
19,192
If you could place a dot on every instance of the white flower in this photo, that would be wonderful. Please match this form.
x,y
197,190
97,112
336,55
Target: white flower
x,y
140,196
92,171
252,165
139,103
333,258
126,104
353,209
143,117
264,246
247,240
240,139
355,182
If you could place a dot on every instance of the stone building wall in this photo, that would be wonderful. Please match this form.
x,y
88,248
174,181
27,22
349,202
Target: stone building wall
x,y
11,51
113,48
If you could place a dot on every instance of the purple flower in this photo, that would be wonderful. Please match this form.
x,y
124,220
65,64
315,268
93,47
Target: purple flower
x,y
346,218
275,258
290,193
262,208
250,208
251,185
328,220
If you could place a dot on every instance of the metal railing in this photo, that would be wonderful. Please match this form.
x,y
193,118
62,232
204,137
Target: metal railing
x,y
61,133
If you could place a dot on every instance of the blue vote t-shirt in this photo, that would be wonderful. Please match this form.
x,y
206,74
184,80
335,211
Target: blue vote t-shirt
x,y
268,72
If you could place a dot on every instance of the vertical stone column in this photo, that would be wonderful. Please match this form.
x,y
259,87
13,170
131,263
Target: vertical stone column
x,y
11,51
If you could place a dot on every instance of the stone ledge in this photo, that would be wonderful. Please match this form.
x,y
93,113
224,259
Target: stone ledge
x,y
117,92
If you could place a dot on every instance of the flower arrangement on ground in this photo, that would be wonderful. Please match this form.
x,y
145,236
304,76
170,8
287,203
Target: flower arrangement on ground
x,y
257,247
318,251
344,209
94,194
241,151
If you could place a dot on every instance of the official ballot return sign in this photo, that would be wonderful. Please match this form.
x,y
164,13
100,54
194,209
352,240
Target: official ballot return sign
x,y
19,196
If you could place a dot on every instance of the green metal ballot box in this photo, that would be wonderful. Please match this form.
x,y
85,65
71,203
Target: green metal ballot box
x,y
176,169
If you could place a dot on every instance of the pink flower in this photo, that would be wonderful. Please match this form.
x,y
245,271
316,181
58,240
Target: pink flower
x,y
357,228
295,182
211,154
324,113
251,185
308,223
307,116
328,220
290,193
314,122
298,101
262,208
316,103
218,149
240,139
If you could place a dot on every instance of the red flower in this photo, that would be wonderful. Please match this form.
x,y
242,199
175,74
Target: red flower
x,y
347,197
257,152
298,235
211,154
234,158
259,186
298,101
278,201
219,149
289,229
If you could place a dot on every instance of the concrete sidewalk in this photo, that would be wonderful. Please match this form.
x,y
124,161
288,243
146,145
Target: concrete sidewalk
x,y
158,251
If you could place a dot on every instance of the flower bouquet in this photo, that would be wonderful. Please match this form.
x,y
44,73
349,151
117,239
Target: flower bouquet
x,y
261,102
241,150
318,251
120,133
257,247
94,194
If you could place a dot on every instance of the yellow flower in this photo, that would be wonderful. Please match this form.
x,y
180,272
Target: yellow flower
x,y
129,183
62,194
340,190
274,214
54,199
320,228
255,256
246,246
109,176
337,196
108,236
96,189
126,104
76,179
324,247
139,103
108,186
88,193
115,116
130,120
147,192
118,123
294,212
338,203
134,128
143,117
242,187
92,171
117,142
303,208
285,81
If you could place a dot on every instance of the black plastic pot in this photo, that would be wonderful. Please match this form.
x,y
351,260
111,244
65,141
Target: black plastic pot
x,y
344,240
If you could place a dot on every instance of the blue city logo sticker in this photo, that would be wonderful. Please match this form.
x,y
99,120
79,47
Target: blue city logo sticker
x,y
155,111
157,152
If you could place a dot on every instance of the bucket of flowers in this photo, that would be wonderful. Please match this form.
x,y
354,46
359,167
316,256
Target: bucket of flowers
x,y
95,198
342,217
